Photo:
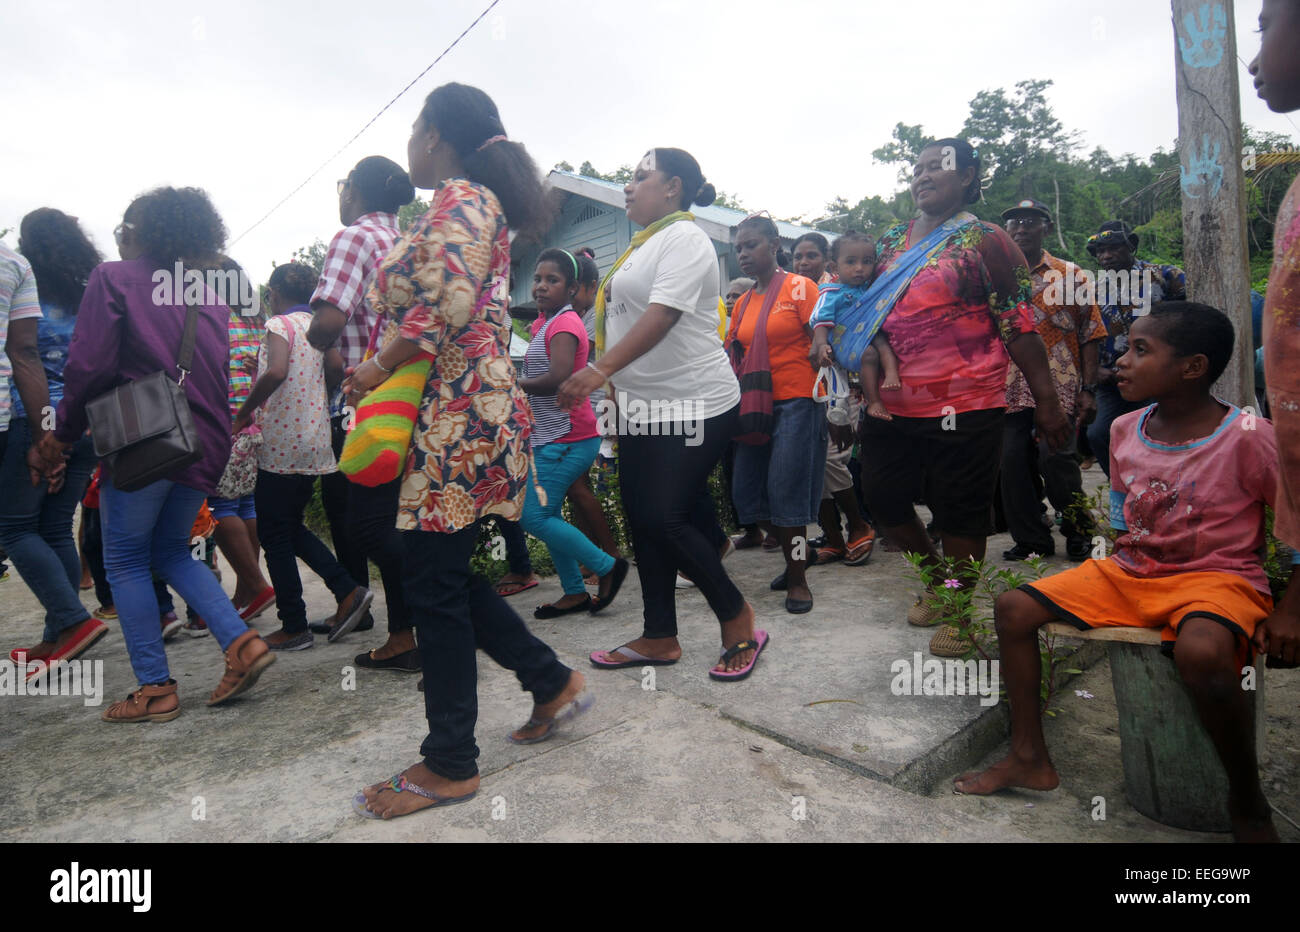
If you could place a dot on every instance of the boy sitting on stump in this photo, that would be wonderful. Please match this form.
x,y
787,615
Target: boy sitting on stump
x,y
1190,476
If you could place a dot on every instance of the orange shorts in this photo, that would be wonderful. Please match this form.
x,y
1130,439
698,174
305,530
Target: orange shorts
x,y
1101,594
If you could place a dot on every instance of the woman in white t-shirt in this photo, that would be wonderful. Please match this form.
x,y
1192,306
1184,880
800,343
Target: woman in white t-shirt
x,y
677,401
295,451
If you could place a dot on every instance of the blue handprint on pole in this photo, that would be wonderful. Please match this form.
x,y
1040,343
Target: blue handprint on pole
x,y
1202,47
1202,175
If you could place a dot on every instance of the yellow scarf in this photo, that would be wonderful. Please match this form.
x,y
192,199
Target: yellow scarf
x,y
637,240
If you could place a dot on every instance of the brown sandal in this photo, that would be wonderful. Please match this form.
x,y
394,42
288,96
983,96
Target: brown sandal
x,y
246,658
146,704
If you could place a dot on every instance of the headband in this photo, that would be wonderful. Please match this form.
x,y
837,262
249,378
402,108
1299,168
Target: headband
x,y
488,142
576,274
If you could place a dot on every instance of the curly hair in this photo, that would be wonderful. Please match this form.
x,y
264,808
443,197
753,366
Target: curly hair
x,y
177,224
61,255
293,280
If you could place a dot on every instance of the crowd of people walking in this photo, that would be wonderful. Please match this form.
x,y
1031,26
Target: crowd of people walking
x,y
841,384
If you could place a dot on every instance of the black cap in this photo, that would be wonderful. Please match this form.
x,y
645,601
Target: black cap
x,y
1112,233
1028,205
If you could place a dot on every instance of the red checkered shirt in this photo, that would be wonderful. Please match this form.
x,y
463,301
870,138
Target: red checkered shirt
x,y
349,271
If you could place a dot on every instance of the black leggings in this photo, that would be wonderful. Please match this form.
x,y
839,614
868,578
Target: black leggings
x,y
372,529
664,484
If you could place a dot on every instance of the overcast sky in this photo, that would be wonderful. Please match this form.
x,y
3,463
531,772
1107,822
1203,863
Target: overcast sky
x,y
782,103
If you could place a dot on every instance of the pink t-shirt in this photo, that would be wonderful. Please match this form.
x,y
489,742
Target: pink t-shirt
x,y
1192,507
546,413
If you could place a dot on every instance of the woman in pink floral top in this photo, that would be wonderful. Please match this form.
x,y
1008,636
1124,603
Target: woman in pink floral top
x,y
961,315
442,292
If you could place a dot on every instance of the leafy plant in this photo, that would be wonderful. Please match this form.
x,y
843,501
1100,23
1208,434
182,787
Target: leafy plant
x,y
964,593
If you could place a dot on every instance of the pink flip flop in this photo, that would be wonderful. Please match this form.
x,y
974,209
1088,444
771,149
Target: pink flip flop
x,y
600,658
756,643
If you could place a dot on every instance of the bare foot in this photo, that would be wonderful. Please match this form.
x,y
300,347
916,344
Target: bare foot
x,y
878,410
546,712
740,628
890,385
1008,772
654,648
396,644
387,803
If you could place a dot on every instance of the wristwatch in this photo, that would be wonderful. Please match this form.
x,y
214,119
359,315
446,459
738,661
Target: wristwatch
x,y
1090,389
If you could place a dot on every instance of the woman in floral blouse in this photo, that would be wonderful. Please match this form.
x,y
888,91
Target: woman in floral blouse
x,y
960,311
442,292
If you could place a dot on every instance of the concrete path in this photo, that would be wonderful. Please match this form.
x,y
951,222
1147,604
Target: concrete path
x,y
813,747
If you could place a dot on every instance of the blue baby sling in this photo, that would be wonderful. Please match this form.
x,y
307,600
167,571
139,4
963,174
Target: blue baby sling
x,y
856,326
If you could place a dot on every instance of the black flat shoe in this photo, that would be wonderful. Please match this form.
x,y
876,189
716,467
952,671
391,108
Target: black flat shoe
x,y
798,606
778,584
550,611
325,627
408,661
1021,552
619,572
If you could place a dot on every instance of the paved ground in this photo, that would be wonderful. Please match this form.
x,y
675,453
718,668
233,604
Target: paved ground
x,y
813,747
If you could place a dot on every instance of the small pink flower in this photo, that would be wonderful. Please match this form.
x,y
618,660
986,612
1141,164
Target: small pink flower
x,y
952,584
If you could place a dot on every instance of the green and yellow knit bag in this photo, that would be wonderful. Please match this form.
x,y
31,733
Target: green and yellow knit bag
x,y
380,438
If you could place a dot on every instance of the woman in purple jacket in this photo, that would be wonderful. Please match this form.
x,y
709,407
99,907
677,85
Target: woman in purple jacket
x,y
130,325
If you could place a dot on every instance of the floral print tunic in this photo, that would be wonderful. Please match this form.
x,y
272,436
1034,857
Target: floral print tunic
x,y
444,287
949,327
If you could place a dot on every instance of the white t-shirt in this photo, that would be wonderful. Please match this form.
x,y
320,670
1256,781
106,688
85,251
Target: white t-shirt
x,y
295,420
686,376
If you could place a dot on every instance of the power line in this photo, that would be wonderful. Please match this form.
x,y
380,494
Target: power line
x,y
357,135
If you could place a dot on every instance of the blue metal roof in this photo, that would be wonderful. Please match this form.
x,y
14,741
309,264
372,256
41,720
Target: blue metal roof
x,y
721,217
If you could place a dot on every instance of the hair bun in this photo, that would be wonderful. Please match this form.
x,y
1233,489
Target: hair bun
x,y
706,195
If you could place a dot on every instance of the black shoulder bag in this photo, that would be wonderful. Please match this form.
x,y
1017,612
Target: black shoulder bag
x,y
143,430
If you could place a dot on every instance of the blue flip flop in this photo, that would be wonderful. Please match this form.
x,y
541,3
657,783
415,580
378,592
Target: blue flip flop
x,y
578,706
399,783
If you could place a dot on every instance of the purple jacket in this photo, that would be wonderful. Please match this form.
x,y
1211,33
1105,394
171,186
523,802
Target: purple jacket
x,y
122,335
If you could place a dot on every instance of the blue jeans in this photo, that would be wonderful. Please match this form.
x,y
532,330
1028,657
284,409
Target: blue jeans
x,y
151,528
1110,405
558,466
36,528
781,481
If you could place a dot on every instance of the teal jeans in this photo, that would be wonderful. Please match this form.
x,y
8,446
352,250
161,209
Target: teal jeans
x,y
558,465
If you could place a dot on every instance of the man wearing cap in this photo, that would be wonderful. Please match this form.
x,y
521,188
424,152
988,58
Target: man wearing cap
x,y
1113,245
1072,331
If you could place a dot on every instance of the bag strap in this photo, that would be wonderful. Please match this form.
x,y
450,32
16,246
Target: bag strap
x,y
186,358
758,348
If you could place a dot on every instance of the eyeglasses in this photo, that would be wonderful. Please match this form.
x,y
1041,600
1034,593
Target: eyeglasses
x,y
119,231
342,184
1023,223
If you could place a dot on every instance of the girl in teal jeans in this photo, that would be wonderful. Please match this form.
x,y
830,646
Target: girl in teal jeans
x,y
564,443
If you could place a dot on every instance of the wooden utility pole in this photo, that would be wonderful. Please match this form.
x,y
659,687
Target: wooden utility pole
x,y
1215,255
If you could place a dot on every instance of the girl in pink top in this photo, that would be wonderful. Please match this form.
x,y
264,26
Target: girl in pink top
x,y
564,443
